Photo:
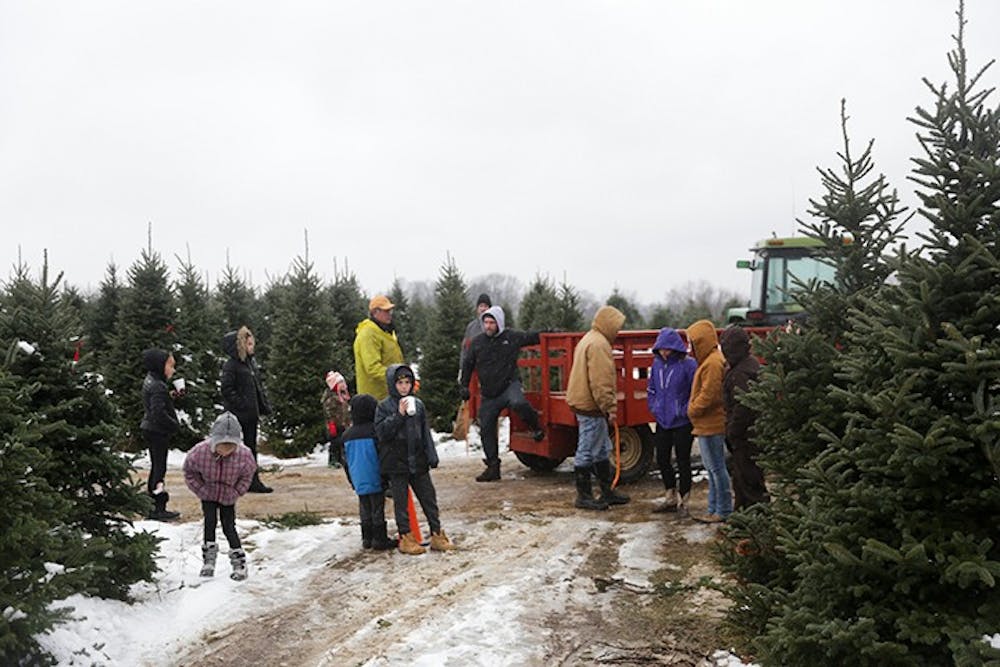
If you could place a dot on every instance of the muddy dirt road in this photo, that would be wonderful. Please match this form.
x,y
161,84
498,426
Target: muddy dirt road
x,y
533,582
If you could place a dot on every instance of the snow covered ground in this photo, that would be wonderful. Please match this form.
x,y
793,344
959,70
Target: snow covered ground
x,y
180,609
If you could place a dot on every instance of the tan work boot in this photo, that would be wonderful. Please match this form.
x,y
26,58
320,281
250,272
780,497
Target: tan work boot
x,y
410,546
440,542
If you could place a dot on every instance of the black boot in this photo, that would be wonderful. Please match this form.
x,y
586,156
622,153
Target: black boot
x,y
160,511
380,538
366,535
584,493
257,486
492,472
602,469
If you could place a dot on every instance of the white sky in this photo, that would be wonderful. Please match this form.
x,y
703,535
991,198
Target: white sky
x,y
632,144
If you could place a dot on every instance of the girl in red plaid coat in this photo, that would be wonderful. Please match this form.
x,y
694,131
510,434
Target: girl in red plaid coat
x,y
219,470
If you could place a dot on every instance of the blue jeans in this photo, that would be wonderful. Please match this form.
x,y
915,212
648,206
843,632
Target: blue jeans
x,y
593,443
713,455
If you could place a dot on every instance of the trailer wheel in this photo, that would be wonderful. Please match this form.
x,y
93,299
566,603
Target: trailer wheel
x,y
636,452
538,463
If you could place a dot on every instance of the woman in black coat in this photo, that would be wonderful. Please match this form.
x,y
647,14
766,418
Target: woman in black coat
x,y
243,392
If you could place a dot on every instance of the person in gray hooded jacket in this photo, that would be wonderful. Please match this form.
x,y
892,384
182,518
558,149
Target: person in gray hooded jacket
x,y
493,354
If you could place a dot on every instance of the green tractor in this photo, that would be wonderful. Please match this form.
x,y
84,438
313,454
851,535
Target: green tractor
x,y
778,266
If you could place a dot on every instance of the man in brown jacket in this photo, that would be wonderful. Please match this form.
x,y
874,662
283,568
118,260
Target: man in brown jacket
x,y
592,394
708,418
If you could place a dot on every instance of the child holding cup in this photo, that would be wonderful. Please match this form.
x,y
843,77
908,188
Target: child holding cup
x,y
406,455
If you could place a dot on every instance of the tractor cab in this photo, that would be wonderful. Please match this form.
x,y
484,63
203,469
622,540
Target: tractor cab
x,y
778,269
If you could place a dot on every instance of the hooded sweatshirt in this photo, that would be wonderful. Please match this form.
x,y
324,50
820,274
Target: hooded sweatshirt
x,y
216,478
669,387
743,370
495,357
705,407
360,446
159,415
593,381
405,444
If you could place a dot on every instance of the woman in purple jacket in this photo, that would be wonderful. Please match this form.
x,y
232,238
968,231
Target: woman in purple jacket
x,y
667,395
219,470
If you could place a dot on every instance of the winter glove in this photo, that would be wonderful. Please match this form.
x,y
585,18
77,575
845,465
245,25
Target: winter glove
x,y
464,393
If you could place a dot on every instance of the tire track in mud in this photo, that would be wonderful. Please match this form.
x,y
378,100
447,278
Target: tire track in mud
x,y
509,585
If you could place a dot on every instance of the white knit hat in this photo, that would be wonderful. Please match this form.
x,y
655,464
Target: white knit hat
x,y
225,429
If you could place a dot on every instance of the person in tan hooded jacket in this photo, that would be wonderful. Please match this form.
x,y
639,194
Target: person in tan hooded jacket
x,y
592,394
708,418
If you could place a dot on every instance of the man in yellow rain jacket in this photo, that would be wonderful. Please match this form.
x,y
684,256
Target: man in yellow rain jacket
x,y
375,348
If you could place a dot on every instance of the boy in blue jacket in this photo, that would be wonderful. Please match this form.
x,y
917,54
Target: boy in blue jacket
x,y
667,394
361,457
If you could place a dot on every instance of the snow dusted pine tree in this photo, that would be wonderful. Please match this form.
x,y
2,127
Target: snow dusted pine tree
x,y
198,354
63,446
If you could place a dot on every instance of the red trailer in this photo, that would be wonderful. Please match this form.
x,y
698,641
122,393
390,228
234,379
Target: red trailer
x,y
544,370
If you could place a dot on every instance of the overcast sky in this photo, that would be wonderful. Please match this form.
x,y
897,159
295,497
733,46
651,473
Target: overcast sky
x,y
631,144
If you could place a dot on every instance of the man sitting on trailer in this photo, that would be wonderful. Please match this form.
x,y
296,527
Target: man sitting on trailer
x,y
493,354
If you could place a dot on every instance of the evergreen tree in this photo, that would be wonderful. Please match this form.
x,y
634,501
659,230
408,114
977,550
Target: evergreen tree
x,y
792,397
541,307
439,370
300,344
236,300
419,315
894,554
104,317
663,315
89,521
401,320
633,318
146,320
570,315
198,354
349,307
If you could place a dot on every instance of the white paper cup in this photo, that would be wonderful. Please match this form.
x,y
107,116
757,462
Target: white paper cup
x,y
410,405
179,384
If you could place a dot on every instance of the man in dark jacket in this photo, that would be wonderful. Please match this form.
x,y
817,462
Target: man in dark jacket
x,y
493,354
243,392
743,367
159,422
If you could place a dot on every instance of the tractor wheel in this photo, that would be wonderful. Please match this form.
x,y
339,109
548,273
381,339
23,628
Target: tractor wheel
x,y
636,452
538,463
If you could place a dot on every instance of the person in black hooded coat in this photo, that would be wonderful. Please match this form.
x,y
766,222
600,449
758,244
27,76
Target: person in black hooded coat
x,y
243,392
159,422
406,453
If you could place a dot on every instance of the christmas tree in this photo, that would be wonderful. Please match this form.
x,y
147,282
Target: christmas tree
x,y
439,370
146,320
300,346
349,307
541,307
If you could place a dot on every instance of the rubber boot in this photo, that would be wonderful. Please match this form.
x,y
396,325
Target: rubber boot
x,y
585,493
381,540
209,552
492,472
602,469
238,559
366,535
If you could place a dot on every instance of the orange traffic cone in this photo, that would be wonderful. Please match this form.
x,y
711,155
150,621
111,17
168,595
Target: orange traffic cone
x,y
411,510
